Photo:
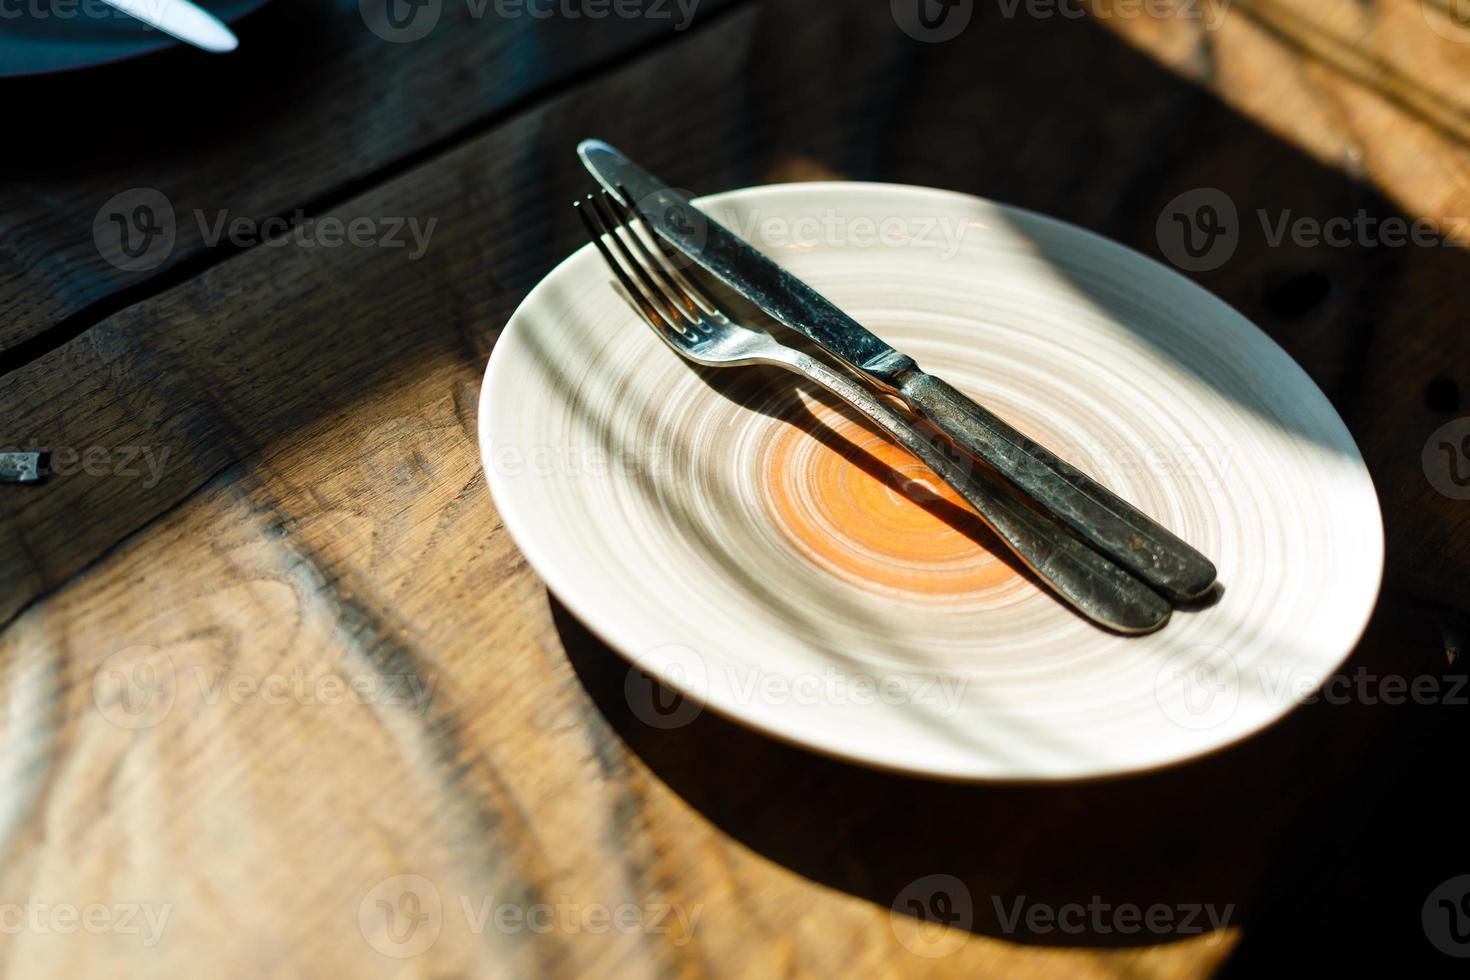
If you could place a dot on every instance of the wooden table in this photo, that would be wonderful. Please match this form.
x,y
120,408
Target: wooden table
x,y
265,648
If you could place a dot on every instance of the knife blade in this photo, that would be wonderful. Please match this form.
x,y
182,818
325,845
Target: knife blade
x,y
1101,518
186,21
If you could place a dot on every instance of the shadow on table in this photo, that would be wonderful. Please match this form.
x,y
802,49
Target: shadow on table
x,y
1049,865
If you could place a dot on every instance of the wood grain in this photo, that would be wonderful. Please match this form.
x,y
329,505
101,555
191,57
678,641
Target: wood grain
x,y
321,513
312,108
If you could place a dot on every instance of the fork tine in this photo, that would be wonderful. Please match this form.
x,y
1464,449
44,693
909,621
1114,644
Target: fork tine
x,y
608,218
670,266
596,228
625,213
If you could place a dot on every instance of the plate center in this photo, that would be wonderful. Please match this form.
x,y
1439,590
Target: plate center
x,y
863,508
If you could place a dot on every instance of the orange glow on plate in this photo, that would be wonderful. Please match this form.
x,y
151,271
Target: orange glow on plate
x,y
869,512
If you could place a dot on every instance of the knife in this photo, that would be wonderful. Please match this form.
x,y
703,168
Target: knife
x,y
183,20
1104,520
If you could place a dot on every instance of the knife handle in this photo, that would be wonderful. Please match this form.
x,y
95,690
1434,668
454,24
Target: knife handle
x,y
1102,518
1098,588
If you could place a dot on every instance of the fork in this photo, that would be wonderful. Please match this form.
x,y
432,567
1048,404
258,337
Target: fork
x,y
696,329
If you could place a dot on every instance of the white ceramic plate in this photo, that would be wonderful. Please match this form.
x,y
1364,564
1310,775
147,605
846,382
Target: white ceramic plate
x,y
756,547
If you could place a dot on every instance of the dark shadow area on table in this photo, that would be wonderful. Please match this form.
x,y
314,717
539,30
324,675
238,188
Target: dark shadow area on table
x,y
1225,834
115,112
108,118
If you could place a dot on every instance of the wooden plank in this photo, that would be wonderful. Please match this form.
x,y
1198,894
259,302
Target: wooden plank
x,y
313,104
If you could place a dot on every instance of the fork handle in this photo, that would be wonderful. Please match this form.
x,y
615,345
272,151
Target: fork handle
x,y
1094,585
1103,519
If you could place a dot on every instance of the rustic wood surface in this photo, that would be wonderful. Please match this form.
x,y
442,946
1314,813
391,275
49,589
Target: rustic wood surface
x,y
273,651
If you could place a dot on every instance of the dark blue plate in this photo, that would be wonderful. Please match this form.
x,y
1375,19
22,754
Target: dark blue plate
x,y
38,37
